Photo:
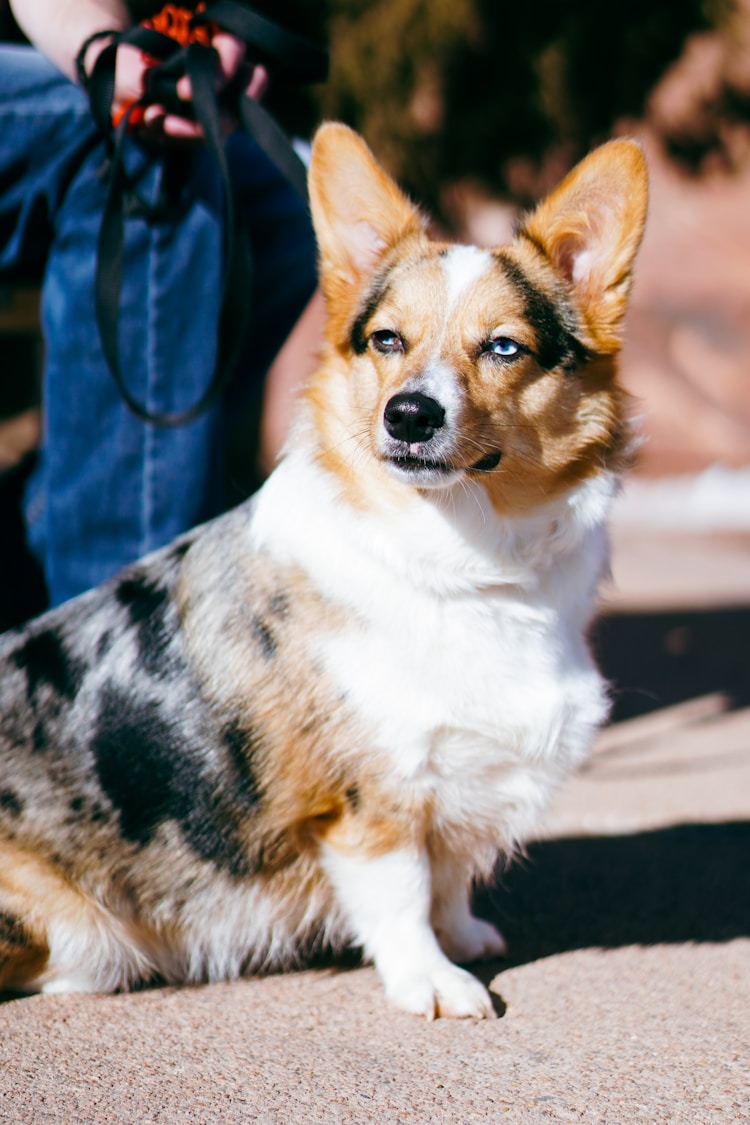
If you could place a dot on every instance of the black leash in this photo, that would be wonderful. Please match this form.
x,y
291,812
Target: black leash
x,y
288,58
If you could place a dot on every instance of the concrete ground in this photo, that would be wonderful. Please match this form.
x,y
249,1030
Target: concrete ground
x,y
627,994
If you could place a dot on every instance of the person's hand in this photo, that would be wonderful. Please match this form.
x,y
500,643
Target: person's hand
x,y
130,72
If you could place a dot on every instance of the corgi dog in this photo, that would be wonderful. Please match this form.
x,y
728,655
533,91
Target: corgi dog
x,y
320,718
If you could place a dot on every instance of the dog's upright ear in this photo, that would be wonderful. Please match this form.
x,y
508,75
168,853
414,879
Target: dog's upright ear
x,y
590,229
358,212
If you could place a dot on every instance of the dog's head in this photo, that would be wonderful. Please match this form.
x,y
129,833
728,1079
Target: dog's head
x,y
446,363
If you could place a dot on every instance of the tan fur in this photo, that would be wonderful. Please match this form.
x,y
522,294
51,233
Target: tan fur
x,y
31,892
556,428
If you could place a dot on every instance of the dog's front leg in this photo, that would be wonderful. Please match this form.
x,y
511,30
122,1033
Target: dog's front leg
x,y
386,900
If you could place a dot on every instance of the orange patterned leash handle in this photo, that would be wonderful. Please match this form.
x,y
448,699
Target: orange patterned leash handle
x,y
174,23
180,24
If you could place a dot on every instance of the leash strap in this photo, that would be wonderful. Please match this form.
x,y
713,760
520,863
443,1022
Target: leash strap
x,y
286,56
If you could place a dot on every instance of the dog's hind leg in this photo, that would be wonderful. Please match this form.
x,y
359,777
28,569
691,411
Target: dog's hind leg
x,y
52,939
24,952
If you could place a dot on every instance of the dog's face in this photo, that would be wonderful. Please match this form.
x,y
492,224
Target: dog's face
x,y
449,363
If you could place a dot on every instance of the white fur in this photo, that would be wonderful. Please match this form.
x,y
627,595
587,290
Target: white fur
x,y
464,658
462,266
464,654
388,900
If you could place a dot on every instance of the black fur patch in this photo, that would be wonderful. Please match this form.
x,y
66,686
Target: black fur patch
x,y
179,550
77,805
39,741
556,346
46,663
104,644
244,746
151,773
10,802
12,931
149,607
358,336
98,814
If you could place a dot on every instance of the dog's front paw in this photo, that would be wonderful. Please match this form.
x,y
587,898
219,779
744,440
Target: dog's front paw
x,y
471,940
445,991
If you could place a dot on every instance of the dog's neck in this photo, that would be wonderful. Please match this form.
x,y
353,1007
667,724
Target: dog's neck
x,y
451,542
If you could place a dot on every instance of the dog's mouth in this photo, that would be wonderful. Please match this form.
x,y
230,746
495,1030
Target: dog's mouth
x,y
419,467
411,464
420,471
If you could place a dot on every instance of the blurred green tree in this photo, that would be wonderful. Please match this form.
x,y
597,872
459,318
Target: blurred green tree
x,y
507,96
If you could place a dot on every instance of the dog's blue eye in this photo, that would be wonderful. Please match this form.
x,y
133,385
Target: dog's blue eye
x,y
387,342
503,347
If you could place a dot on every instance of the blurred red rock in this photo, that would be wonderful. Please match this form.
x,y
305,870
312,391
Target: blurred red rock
x,y
687,349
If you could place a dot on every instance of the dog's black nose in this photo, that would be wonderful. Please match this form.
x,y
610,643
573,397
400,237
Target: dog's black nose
x,y
413,417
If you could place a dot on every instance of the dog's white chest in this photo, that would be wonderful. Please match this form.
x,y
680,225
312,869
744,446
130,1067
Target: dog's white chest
x,y
466,686
478,683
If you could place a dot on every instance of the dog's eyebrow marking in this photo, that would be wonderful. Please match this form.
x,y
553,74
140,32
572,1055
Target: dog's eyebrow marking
x,y
557,346
44,659
373,299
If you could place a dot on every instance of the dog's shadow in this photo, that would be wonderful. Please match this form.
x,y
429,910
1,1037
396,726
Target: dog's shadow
x,y
690,883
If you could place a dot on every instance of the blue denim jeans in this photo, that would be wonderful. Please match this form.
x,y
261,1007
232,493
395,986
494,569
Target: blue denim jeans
x,y
108,487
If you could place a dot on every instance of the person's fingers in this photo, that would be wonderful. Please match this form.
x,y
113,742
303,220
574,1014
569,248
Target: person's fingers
x,y
184,89
258,83
130,68
181,129
256,86
231,52
157,121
